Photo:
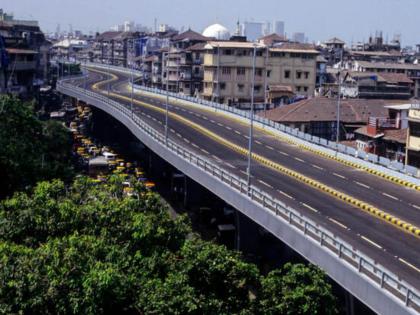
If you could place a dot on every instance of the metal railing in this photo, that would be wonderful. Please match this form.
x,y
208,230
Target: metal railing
x,y
378,275
373,161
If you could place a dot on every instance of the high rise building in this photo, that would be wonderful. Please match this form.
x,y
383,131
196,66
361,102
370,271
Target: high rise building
x,y
299,37
268,28
252,30
279,28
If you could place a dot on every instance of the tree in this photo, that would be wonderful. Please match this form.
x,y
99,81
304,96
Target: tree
x,y
30,150
89,249
296,289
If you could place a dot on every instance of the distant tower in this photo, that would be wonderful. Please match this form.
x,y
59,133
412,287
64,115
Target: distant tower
x,y
238,31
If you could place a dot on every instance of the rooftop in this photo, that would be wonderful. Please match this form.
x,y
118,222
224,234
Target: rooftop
x,y
388,65
231,44
324,109
190,35
295,47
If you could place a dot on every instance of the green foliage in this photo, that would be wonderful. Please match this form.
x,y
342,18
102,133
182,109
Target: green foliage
x,y
30,150
296,289
88,249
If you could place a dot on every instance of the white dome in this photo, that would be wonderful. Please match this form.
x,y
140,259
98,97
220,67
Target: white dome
x,y
217,31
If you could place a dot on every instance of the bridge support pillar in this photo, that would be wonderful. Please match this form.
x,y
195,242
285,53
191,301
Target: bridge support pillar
x,y
349,303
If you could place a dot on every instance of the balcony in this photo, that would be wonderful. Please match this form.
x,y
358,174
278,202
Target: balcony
x,y
185,76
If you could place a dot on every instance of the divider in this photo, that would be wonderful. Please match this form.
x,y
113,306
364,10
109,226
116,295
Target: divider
x,y
380,276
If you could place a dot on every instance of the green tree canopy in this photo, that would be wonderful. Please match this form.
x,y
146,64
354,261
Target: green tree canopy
x,y
89,249
30,150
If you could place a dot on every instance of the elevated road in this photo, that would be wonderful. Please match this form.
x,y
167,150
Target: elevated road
x,y
224,140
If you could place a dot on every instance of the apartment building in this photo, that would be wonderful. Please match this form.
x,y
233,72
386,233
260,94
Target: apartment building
x,y
293,65
182,63
413,138
280,71
412,71
228,71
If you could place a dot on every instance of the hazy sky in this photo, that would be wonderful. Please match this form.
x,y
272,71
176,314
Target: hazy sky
x,y
351,20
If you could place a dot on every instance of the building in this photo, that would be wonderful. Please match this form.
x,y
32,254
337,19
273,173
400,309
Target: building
x,y
182,66
412,71
228,71
279,28
252,30
413,137
298,37
272,40
317,116
216,31
293,65
288,68
381,85
385,136
24,56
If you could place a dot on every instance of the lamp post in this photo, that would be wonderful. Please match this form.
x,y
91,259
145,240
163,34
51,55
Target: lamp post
x,y
265,82
108,73
251,117
339,100
167,99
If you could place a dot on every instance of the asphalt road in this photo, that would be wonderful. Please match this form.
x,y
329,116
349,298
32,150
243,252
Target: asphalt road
x,y
390,246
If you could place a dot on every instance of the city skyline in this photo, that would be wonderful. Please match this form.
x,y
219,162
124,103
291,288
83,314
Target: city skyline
x,y
351,23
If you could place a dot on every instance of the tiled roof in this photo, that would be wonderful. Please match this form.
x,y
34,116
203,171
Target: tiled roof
x,y
18,51
190,35
198,46
324,109
388,65
295,47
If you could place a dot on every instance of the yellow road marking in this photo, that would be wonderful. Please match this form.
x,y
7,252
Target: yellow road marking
x,y
395,221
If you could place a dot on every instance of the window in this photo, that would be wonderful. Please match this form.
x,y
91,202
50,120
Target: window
x,y
227,52
305,88
222,85
306,75
240,71
257,88
258,72
287,74
268,73
240,87
298,74
414,129
298,88
197,70
225,70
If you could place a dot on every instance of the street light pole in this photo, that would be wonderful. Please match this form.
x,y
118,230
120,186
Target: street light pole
x,y
265,82
132,82
167,100
339,100
251,116
108,70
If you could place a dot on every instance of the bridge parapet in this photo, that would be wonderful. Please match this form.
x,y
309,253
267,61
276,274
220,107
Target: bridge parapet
x,y
373,284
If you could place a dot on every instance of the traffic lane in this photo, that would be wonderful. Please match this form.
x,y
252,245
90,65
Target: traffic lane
x,y
394,206
212,147
182,129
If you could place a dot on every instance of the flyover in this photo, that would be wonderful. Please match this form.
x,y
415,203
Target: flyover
x,y
360,227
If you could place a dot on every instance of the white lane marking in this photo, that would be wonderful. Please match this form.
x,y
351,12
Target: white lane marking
x,y
178,134
300,160
316,166
246,137
172,130
408,264
215,157
268,147
219,124
264,183
212,121
186,140
228,128
284,153
236,131
390,196
416,206
160,122
363,185
338,175
190,112
204,151
243,172
286,195
259,142
371,242
204,117
194,145
230,165
338,223
309,207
